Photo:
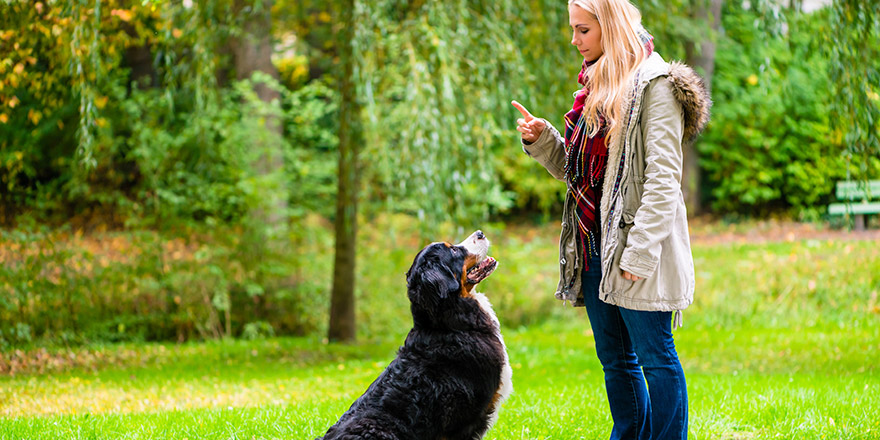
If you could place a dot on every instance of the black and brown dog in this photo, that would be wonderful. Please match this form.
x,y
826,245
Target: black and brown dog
x,y
452,373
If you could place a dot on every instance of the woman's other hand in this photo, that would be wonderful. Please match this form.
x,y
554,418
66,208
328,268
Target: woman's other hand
x,y
528,125
630,276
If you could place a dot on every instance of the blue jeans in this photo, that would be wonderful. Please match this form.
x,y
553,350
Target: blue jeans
x,y
635,347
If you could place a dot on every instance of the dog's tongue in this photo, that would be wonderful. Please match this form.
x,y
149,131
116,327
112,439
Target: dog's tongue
x,y
482,270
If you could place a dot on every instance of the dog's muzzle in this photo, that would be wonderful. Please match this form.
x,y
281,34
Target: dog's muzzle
x,y
477,244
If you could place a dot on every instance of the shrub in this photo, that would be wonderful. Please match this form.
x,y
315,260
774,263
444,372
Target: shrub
x,y
63,287
769,146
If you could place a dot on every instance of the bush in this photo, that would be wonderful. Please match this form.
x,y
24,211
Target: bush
x,y
257,330
60,286
769,146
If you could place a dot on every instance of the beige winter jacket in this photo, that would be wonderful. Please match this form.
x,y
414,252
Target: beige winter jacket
x,y
642,212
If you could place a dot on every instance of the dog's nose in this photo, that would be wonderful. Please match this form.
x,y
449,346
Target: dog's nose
x,y
480,235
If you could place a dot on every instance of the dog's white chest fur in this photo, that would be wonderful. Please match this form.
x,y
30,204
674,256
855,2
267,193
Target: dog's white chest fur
x,y
506,386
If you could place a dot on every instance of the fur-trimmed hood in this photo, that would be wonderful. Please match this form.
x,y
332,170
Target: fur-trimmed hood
x,y
688,88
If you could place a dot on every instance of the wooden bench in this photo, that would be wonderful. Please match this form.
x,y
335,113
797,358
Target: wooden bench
x,y
860,199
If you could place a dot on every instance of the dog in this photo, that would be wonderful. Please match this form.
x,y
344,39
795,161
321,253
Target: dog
x,y
452,373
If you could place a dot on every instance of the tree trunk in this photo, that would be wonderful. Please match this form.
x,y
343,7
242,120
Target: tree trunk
x,y
342,301
252,50
702,58
267,226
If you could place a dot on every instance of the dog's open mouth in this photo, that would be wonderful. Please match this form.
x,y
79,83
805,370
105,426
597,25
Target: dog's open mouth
x,y
481,270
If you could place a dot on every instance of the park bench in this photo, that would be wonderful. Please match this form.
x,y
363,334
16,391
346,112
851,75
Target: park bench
x,y
860,198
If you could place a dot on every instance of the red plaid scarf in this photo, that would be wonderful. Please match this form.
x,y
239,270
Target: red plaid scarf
x,y
585,160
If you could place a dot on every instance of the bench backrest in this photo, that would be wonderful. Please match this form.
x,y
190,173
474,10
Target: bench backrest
x,y
857,190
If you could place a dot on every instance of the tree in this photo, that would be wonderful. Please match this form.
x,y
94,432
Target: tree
x,y
700,54
342,300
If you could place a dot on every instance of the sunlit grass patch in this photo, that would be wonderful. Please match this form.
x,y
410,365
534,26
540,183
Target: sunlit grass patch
x,y
207,375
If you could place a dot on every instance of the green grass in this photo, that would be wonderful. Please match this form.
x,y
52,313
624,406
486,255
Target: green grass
x,y
783,341
810,382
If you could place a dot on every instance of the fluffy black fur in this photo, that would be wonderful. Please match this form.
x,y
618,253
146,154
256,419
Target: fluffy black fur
x,y
445,382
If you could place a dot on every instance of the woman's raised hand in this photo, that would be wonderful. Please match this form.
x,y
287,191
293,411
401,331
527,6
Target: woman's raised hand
x,y
530,126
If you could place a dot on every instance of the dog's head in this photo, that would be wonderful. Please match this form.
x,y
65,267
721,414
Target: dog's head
x,y
443,273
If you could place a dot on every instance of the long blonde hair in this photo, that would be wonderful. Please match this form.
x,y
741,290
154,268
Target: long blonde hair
x,y
623,52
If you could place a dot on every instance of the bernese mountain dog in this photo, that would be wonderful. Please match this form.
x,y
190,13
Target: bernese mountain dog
x,y
452,372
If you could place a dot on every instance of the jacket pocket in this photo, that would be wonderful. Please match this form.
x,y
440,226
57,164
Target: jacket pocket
x,y
616,283
632,197
568,256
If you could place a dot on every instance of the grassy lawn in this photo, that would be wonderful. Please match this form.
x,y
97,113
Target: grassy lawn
x,y
810,382
783,342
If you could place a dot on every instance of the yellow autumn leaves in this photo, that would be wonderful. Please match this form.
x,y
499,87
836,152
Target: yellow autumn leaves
x,y
36,48
15,72
123,14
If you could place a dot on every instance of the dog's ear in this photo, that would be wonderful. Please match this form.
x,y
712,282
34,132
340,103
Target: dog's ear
x,y
432,277
440,280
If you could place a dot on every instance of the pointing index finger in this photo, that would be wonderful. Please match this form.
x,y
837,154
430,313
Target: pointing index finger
x,y
528,116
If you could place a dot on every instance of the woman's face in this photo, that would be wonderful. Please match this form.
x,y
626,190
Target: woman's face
x,y
586,33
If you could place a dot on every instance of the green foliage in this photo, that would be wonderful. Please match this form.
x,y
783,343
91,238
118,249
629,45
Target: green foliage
x,y
769,146
853,43
257,330
544,84
437,81
436,85
158,154
313,139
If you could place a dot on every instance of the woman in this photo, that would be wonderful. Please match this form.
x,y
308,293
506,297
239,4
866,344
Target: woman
x,y
624,249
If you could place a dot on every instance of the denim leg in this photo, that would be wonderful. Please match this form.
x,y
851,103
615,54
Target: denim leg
x,y
624,382
651,335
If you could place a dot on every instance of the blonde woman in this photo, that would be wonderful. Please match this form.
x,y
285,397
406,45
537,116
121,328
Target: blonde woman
x,y
624,248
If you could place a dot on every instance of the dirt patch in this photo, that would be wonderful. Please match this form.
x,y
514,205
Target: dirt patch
x,y
709,232
43,361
